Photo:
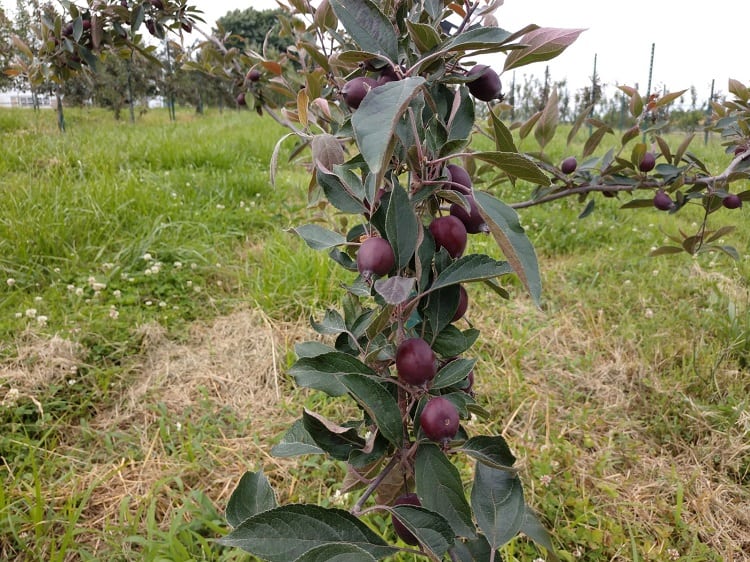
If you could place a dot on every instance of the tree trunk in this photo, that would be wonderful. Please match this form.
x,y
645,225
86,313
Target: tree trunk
x,y
60,115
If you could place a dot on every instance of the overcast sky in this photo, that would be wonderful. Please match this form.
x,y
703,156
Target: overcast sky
x,y
696,41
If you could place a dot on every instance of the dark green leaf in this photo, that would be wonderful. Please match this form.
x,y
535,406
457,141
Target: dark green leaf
x,y
431,529
485,38
526,127
322,372
287,532
311,349
452,341
338,441
475,550
593,141
637,204
510,236
375,121
252,495
452,373
462,121
337,193
340,552
368,26
379,405
296,441
497,500
532,528
515,165
424,36
332,323
588,209
490,450
472,267
503,136
440,489
441,307
577,124
401,226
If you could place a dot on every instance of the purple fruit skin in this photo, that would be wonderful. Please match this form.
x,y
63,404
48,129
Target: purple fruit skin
x,y
241,99
405,534
488,86
662,201
253,75
355,90
463,304
647,162
439,419
376,256
569,165
732,201
415,361
473,221
457,175
449,233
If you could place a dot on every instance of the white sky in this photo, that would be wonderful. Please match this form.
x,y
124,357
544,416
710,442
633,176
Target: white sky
x,y
696,41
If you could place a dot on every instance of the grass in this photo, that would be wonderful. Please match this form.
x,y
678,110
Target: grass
x,y
156,297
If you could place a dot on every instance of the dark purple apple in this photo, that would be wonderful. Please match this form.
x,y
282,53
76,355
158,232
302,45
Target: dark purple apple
x,y
463,304
403,533
662,201
459,178
253,75
355,90
439,420
647,162
241,101
375,256
158,4
415,361
732,201
486,86
449,233
473,220
569,165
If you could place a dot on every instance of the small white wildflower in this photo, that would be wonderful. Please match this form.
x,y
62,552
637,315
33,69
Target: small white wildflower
x,y
117,293
627,282
147,272
98,286
10,281
30,312
41,320
652,248
178,426
79,291
18,315
257,195
193,266
56,270
91,280
538,559
655,273
242,204
220,206
649,313
38,299
106,266
673,553
175,307
219,283
74,369
218,266
189,283
196,289
71,288
578,553
177,265
71,382
634,229
147,257
545,480
149,303
162,304
114,314
252,203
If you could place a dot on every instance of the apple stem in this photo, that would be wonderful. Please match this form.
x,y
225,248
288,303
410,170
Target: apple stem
x,y
357,509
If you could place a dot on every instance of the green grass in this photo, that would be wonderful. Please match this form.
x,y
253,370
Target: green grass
x,y
625,397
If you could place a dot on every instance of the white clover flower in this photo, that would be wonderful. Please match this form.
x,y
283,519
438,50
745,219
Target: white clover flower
x,y
18,315
42,320
71,382
10,281
30,313
242,204
38,299
545,480
71,288
177,265
114,314
11,397
178,426
106,266
673,553
220,206
189,283
162,304
649,313
196,289
147,272
578,553
117,293
98,286
147,257
56,270
79,291
193,266
149,303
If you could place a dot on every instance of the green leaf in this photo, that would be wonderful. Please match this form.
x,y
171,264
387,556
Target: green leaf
x,y
424,36
541,44
395,290
497,501
515,165
588,209
287,532
452,342
327,151
332,323
593,141
340,552
547,124
375,120
503,136
440,489
322,372
475,550
338,441
338,194
441,307
401,226
488,39
319,238
368,26
454,372
296,441
430,528
510,236
578,122
532,528
490,450
379,404
472,267
312,349
252,495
